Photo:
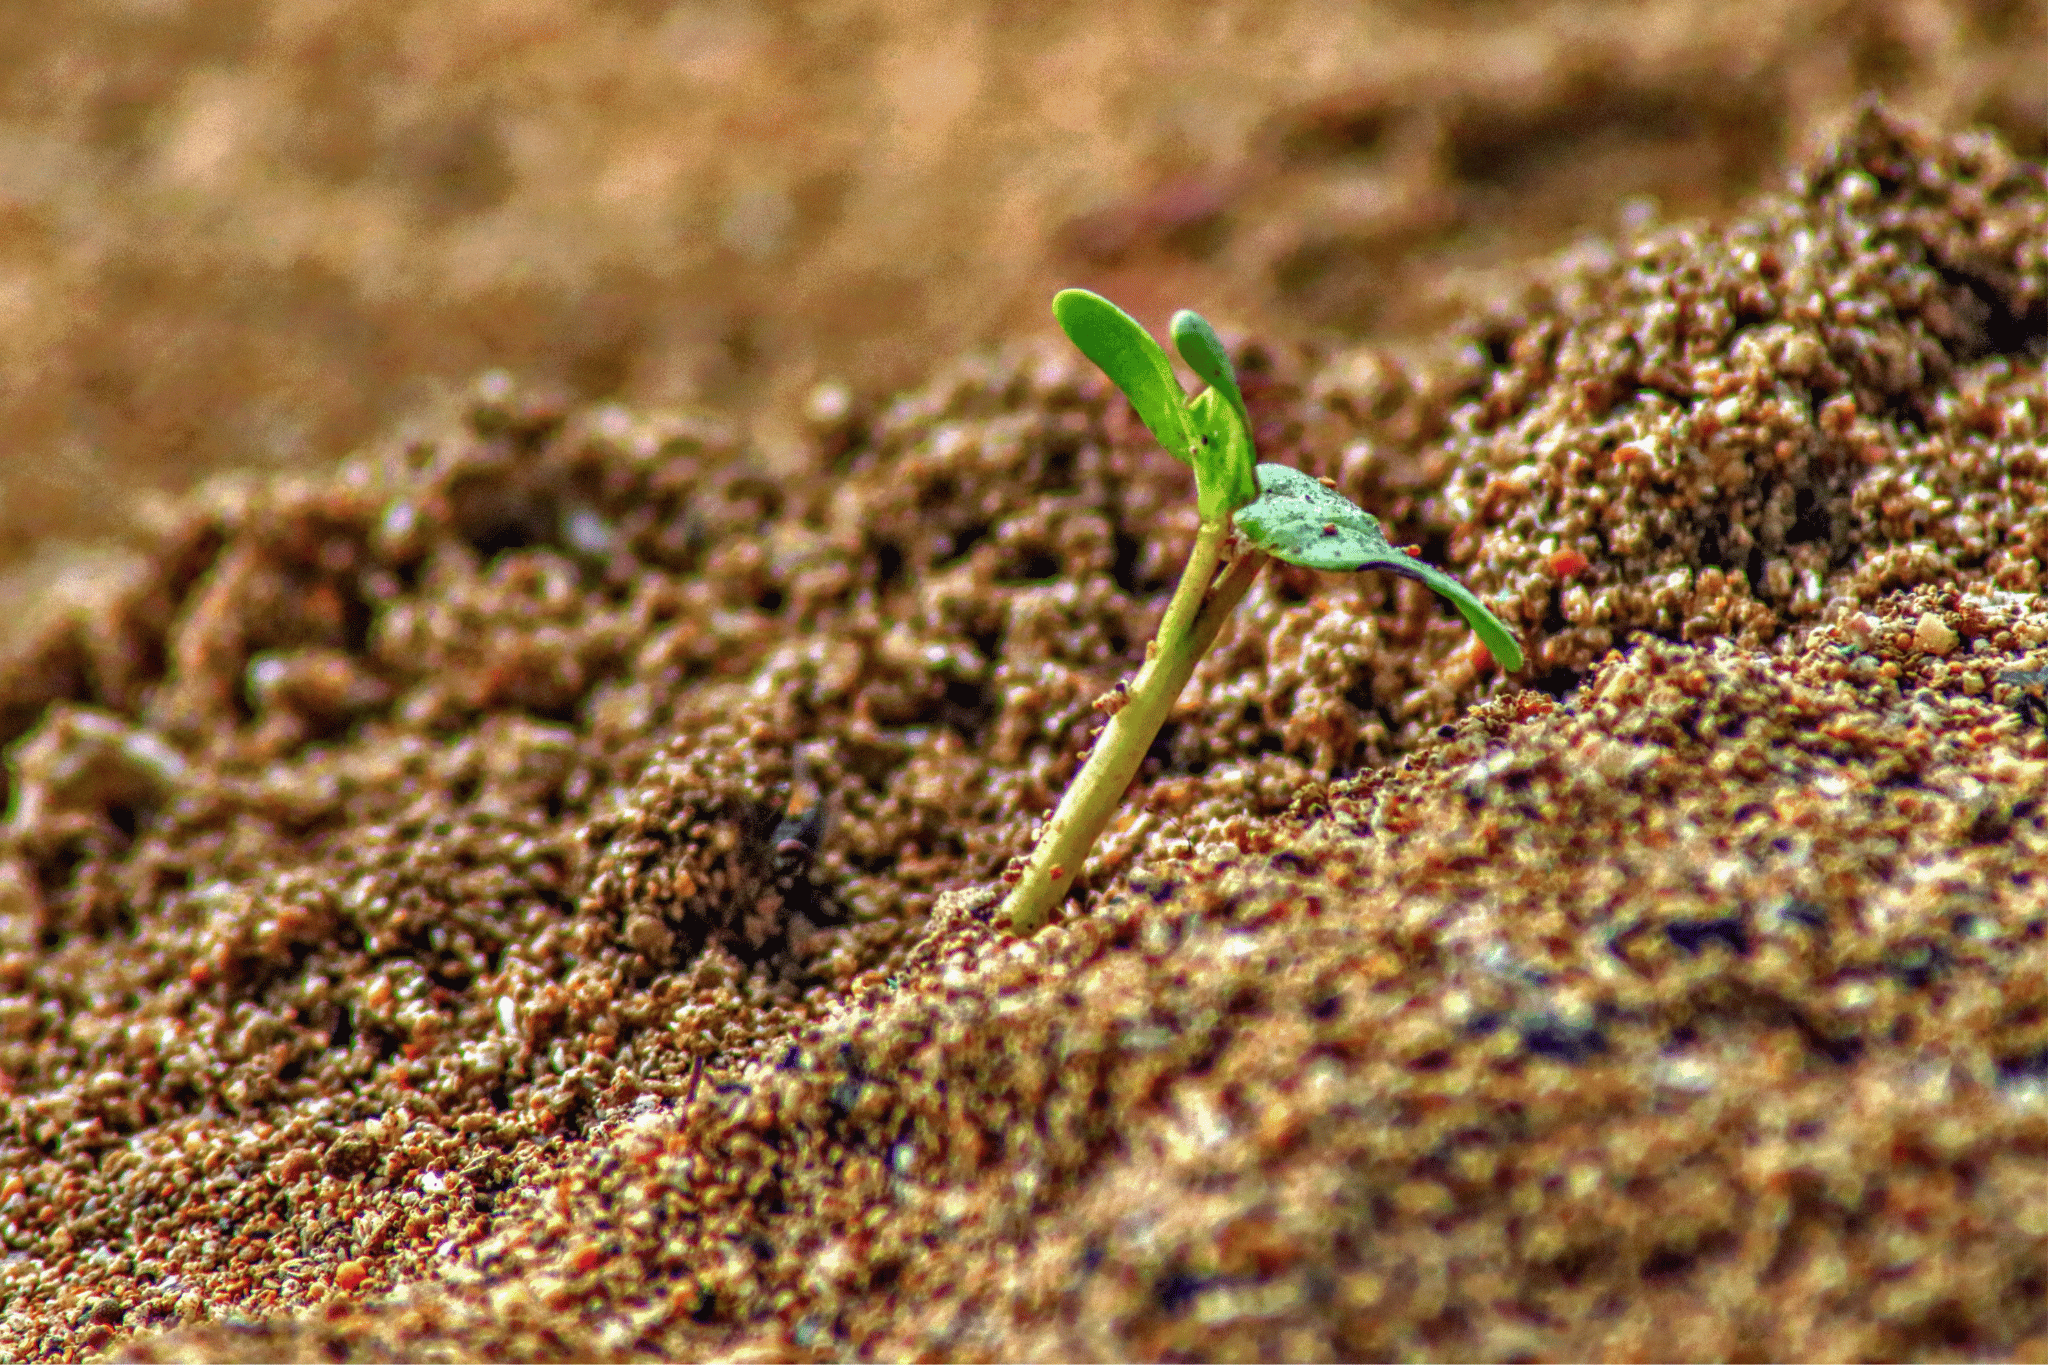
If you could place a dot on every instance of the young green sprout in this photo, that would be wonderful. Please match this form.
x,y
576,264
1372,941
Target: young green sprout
x,y
1276,513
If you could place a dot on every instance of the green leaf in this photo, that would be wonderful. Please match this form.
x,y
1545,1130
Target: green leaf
x,y
1134,362
1296,519
1203,350
1222,456
1222,426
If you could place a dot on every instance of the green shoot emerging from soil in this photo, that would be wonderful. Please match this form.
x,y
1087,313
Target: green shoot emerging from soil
x,y
1274,512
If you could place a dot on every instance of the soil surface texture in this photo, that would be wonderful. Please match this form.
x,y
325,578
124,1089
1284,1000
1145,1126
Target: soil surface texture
x,y
526,894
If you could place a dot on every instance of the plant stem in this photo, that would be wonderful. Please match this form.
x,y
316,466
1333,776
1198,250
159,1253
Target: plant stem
x,y
1193,618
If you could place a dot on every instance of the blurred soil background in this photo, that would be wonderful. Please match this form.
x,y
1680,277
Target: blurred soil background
x,y
254,233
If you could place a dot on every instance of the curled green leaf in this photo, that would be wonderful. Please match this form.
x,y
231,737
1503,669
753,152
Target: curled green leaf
x,y
1134,362
1223,457
1298,520
1203,350
1225,477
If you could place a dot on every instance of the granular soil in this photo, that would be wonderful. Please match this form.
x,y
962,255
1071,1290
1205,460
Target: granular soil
x,y
528,894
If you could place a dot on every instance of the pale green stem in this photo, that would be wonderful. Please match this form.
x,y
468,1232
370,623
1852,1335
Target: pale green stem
x,y
1193,618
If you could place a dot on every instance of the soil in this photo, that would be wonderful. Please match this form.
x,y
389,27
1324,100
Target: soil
x,y
525,893
258,233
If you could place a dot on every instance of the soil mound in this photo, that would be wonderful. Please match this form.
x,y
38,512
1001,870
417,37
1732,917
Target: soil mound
x,y
526,895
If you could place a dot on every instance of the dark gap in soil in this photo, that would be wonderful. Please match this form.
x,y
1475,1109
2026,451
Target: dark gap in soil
x,y
1713,536
959,542
1062,454
1557,683
1124,568
888,564
1810,518
2002,330
1036,565
344,1034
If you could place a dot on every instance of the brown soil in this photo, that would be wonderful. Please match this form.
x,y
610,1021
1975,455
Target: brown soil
x,y
412,944
255,232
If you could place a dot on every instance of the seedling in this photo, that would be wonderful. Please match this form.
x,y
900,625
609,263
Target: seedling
x,y
1249,513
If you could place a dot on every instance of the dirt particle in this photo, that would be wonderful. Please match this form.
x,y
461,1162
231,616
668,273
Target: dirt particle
x,y
1934,635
